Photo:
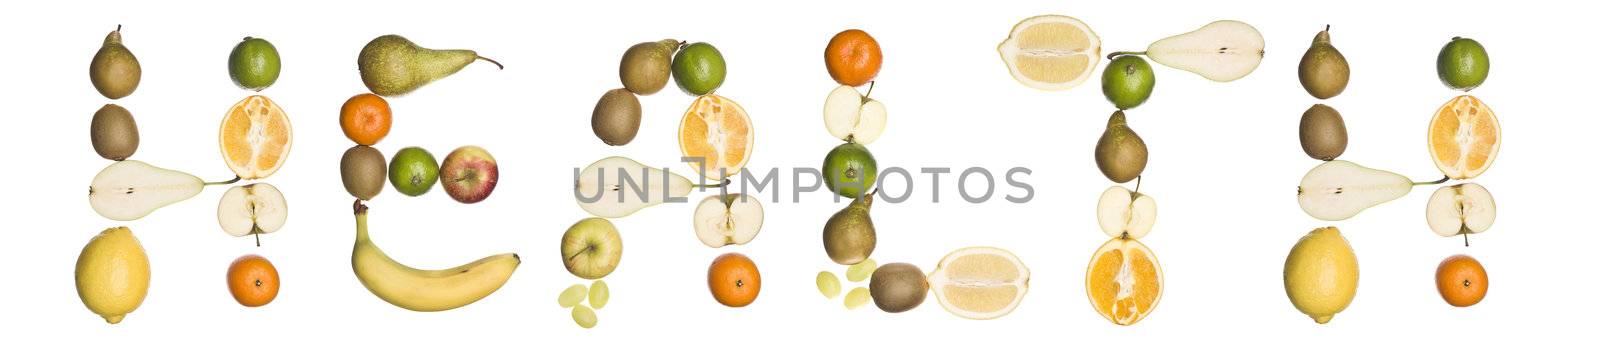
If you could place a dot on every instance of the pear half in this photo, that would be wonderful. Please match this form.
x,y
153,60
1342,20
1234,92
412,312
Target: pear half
x,y
852,116
1465,208
252,209
1223,51
722,220
616,187
130,189
1126,214
1338,190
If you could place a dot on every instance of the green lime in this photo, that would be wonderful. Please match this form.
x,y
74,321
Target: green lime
x,y
1463,64
254,64
699,69
413,171
849,170
1127,81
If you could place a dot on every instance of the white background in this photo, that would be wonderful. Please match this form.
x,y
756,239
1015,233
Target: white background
x,y
1224,163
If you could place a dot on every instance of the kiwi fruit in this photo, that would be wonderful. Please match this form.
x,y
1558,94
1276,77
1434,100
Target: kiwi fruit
x,y
1323,70
849,236
1120,154
1322,133
898,287
363,171
647,66
114,71
113,133
616,117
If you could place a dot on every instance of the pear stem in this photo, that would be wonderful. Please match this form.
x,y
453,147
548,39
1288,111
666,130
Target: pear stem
x,y
230,181
1440,181
496,63
119,28
724,183
1116,54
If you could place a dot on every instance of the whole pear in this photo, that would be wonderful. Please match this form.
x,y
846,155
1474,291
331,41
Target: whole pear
x,y
1120,154
647,66
1323,70
849,237
114,71
391,65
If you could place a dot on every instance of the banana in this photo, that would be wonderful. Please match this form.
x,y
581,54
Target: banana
x,y
425,290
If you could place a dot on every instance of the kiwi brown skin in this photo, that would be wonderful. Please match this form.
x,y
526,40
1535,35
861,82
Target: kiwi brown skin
x,y
113,133
898,287
616,117
363,171
1322,133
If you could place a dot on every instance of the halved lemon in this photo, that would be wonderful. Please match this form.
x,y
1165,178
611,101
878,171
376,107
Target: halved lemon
x,y
716,133
1124,281
255,137
1051,52
1464,137
979,283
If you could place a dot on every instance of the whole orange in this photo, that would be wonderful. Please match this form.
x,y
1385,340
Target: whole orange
x,y
1461,280
253,281
734,280
853,57
365,118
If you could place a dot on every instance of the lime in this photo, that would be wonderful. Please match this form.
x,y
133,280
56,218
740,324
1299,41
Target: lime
x,y
413,171
254,64
1463,64
1127,81
849,170
699,69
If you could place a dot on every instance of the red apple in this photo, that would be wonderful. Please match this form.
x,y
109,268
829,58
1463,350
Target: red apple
x,y
469,174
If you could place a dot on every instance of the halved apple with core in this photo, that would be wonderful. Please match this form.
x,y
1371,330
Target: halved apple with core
x,y
722,220
1464,208
852,116
1126,214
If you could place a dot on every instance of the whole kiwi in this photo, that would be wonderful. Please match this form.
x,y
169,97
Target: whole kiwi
x,y
616,117
1322,133
363,171
1120,154
113,133
647,66
849,236
1323,70
114,71
898,287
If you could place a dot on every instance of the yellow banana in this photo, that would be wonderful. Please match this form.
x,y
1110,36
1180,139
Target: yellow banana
x,y
425,290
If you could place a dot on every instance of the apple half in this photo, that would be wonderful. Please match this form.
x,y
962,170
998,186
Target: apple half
x,y
851,116
1465,208
252,209
730,219
1126,214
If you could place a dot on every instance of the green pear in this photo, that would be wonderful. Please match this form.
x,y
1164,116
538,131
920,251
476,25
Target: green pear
x,y
391,65
1338,190
616,187
1222,51
130,189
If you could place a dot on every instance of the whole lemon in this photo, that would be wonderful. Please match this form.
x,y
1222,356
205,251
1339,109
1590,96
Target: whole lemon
x,y
113,274
1320,274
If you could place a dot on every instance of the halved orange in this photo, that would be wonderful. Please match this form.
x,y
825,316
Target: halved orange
x,y
1124,281
717,132
255,137
1464,137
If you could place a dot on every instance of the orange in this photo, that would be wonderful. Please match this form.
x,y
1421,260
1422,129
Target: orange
x,y
717,132
734,280
255,137
853,57
1124,281
253,281
1464,137
1461,280
365,118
